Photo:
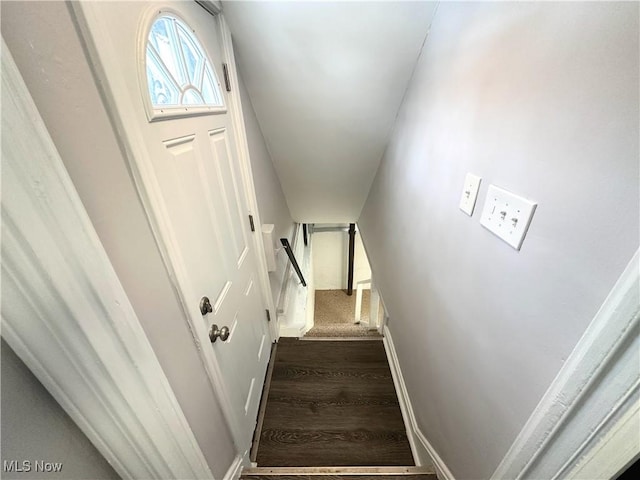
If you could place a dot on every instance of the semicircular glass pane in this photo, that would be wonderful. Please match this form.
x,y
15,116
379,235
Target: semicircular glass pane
x,y
192,97
177,67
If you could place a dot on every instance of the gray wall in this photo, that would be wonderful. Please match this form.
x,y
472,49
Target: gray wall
x,y
541,99
271,201
36,428
47,50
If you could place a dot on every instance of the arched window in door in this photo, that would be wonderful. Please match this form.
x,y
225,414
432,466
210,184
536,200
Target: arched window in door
x,y
180,78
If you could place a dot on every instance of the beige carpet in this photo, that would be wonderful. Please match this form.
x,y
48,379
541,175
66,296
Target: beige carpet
x,y
334,315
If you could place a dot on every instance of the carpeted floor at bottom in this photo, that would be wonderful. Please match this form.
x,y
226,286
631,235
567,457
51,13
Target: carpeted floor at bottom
x,y
334,315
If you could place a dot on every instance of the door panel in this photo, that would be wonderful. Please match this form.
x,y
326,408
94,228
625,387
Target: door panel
x,y
229,201
180,181
190,174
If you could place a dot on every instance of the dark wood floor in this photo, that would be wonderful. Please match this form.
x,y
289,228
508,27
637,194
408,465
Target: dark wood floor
x,y
332,404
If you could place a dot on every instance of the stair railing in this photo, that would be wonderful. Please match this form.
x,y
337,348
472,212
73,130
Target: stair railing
x,y
292,258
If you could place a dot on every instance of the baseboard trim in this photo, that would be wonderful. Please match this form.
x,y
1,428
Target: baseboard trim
x,y
423,452
235,469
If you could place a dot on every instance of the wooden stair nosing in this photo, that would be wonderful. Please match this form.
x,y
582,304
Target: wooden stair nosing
x,y
344,471
368,476
368,338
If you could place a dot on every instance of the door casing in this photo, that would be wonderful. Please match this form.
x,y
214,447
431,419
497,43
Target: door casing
x,y
67,316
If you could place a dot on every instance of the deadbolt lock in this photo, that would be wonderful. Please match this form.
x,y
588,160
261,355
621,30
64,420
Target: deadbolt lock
x,y
205,306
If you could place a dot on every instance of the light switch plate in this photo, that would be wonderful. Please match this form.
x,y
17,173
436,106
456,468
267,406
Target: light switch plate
x,y
469,193
507,215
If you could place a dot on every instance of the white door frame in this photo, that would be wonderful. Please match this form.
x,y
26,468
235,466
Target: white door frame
x,y
237,118
582,425
66,315
119,102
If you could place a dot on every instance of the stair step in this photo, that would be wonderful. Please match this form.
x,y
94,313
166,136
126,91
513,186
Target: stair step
x,y
336,473
426,476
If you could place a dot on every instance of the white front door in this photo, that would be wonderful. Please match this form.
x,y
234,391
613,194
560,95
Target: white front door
x,y
189,176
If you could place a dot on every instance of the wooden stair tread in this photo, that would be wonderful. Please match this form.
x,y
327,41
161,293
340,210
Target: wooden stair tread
x,y
346,473
332,403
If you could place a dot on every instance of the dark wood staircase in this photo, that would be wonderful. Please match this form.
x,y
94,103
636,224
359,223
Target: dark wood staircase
x,y
330,411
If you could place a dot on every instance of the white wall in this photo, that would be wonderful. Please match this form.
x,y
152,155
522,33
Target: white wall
x,y
541,99
331,260
35,428
42,39
271,201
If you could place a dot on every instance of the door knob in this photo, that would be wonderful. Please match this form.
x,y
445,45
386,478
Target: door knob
x,y
215,332
205,306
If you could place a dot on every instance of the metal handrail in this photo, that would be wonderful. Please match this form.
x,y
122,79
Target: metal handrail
x,y
292,258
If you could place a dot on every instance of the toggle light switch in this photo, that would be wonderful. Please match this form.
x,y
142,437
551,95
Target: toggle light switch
x,y
469,193
507,215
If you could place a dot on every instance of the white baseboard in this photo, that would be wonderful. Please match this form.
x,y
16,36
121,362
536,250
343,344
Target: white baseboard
x,y
291,332
423,452
235,469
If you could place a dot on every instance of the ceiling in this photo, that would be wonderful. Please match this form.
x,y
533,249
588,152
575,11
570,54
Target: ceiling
x,y
326,80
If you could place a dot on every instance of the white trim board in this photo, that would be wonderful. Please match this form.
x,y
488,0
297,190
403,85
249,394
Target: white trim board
x,y
423,452
620,442
235,469
589,399
374,287
214,7
66,315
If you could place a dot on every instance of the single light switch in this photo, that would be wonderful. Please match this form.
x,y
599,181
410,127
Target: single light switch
x,y
469,193
507,215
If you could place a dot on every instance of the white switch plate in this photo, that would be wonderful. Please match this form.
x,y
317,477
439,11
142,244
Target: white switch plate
x,y
507,215
469,193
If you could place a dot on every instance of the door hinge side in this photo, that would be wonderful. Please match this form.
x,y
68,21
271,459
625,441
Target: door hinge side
x,y
268,315
253,227
227,82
